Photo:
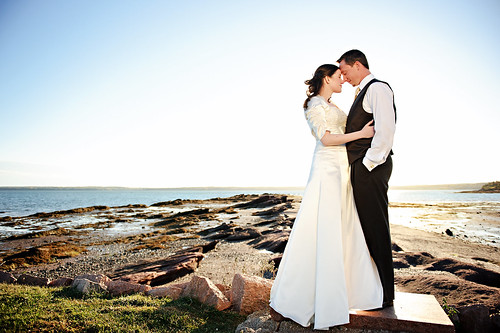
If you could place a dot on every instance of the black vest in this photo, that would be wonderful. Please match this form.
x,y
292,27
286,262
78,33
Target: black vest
x,y
356,120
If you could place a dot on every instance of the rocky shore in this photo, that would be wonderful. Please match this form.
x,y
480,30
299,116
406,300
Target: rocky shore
x,y
493,187
168,243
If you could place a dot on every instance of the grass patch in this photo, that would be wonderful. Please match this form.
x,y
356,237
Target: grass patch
x,y
39,309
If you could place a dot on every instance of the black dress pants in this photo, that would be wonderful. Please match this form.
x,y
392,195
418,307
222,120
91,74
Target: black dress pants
x,y
372,203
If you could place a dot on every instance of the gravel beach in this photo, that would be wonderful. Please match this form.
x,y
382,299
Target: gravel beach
x,y
250,229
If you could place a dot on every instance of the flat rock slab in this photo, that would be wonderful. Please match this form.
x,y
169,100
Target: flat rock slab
x,y
159,272
410,313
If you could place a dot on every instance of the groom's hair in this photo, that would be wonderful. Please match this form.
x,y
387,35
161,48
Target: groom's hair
x,y
350,57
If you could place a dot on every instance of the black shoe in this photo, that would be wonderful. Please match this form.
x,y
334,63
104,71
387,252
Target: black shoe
x,y
387,304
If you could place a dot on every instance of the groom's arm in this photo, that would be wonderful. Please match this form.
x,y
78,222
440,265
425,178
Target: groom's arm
x,y
379,100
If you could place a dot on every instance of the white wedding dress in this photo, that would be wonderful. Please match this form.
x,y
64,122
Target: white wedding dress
x,y
326,268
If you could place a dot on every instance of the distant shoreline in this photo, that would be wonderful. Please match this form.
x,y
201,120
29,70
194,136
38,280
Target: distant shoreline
x,y
463,186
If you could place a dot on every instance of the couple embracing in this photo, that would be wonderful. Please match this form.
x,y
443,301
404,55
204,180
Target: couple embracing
x,y
338,255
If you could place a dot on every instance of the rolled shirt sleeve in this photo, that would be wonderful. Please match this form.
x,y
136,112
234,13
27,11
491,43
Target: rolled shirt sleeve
x,y
379,100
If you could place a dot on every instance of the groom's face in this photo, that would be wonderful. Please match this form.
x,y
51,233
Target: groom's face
x,y
350,74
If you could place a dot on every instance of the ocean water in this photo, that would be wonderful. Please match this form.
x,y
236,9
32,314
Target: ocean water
x,y
430,196
26,201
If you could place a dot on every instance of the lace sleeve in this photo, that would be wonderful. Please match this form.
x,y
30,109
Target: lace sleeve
x,y
315,115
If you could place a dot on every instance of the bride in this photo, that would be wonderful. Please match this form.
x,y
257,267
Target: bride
x,y
326,268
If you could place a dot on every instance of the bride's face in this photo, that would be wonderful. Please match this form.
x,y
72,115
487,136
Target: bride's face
x,y
335,81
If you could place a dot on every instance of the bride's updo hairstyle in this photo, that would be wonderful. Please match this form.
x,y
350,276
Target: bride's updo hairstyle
x,y
317,81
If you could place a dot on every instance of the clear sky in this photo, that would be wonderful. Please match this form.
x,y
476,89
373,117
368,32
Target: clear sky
x,y
209,93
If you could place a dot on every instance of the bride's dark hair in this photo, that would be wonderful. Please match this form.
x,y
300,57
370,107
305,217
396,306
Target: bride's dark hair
x,y
317,80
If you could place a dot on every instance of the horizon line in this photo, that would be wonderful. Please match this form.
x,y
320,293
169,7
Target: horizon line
x,y
35,187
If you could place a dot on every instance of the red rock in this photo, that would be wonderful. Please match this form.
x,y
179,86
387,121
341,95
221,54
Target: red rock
x,y
61,282
101,279
250,293
7,277
456,291
274,242
274,210
411,312
204,290
173,291
226,290
32,280
469,272
474,318
118,288
160,272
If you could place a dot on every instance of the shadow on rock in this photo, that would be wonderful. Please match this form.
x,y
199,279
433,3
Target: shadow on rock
x,y
159,272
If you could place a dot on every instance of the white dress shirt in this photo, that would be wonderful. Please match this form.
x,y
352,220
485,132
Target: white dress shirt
x,y
379,101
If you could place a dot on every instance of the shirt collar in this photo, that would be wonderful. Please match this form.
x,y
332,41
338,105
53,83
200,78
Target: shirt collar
x,y
365,81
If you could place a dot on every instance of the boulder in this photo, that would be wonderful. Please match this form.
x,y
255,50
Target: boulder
x,y
7,277
250,293
61,282
204,290
118,288
32,280
474,318
101,279
226,290
86,286
173,291
260,322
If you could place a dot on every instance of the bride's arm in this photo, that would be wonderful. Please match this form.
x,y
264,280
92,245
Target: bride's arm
x,y
337,139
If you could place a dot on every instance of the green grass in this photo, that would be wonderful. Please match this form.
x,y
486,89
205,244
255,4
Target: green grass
x,y
37,309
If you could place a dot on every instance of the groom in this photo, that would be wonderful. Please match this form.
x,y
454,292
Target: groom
x,y
371,162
